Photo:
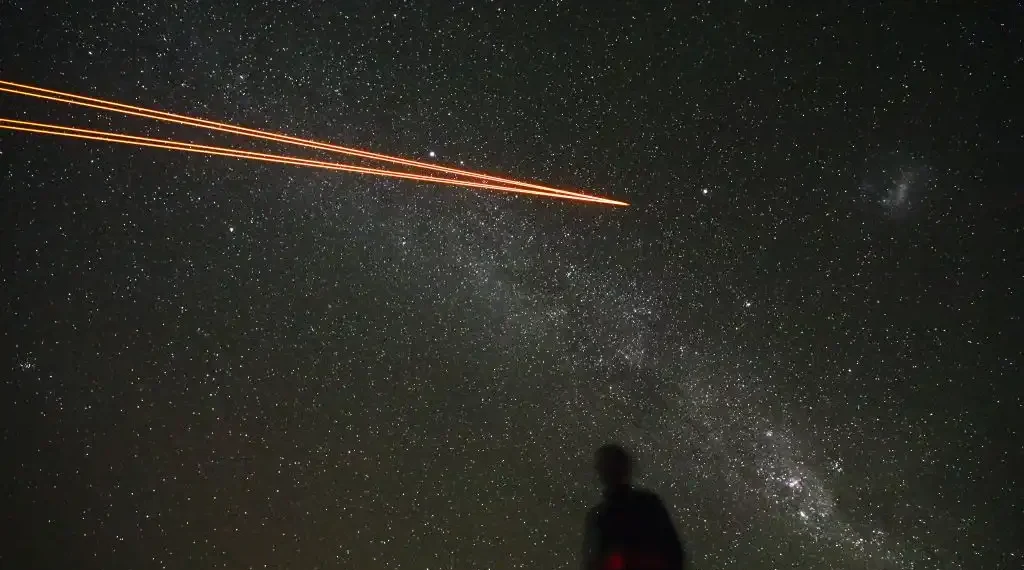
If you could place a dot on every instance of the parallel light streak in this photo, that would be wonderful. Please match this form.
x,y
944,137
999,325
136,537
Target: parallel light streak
x,y
92,102
88,134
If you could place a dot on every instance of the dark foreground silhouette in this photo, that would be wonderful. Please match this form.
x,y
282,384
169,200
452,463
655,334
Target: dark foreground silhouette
x,y
630,529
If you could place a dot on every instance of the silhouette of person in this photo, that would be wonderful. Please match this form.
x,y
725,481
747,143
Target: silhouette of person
x,y
630,529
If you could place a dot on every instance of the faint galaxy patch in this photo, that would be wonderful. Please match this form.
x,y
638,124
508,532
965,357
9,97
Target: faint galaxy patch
x,y
895,183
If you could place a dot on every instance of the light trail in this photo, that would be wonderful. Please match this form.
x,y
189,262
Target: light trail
x,y
102,104
88,134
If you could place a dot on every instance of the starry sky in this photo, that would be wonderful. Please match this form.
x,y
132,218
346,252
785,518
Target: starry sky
x,y
806,326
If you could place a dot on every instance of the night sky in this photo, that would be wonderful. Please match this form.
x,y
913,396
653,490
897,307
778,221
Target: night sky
x,y
808,325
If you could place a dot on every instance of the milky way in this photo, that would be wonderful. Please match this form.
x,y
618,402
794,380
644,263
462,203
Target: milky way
x,y
805,325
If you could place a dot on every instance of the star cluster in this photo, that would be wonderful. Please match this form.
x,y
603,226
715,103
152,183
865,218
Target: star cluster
x,y
806,325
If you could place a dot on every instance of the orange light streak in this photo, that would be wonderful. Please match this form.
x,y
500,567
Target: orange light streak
x,y
88,134
92,102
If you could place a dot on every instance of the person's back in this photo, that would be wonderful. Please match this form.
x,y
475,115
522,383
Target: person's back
x,y
630,529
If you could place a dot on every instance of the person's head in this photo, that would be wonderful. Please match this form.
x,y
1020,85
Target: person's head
x,y
613,464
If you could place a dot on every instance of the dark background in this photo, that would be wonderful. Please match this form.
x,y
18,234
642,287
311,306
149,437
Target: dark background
x,y
808,324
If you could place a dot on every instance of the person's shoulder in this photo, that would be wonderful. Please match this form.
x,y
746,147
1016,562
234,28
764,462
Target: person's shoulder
x,y
595,514
646,496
